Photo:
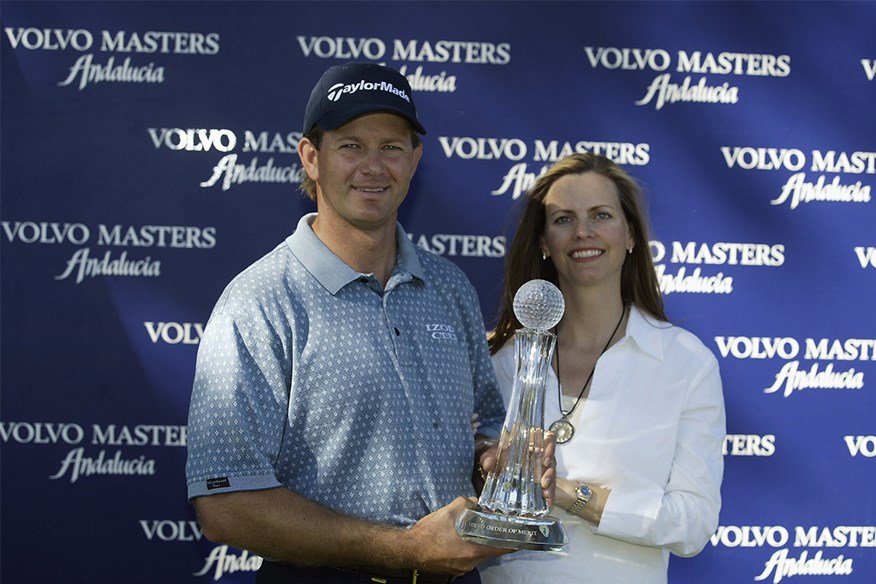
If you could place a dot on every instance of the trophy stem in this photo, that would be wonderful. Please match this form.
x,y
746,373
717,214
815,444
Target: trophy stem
x,y
513,487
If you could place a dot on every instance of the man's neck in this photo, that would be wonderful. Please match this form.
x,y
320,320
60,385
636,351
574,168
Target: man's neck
x,y
366,251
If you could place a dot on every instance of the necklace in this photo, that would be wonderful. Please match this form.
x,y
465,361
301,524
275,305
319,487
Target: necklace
x,y
563,427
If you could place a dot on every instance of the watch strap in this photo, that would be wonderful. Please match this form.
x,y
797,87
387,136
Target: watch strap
x,y
584,493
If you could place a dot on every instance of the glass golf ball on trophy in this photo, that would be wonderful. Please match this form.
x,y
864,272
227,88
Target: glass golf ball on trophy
x,y
511,510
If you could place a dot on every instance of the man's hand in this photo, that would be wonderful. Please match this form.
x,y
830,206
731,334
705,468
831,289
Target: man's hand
x,y
437,547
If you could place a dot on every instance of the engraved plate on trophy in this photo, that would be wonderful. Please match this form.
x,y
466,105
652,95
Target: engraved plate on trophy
x,y
511,511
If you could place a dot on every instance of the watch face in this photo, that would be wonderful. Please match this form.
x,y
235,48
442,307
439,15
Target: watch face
x,y
583,492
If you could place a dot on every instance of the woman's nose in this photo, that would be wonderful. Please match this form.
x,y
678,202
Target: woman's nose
x,y
583,229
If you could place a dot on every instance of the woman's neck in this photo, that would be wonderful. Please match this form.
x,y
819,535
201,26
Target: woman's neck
x,y
590,317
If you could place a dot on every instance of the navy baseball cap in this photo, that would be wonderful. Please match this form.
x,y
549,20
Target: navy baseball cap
x,y
347,91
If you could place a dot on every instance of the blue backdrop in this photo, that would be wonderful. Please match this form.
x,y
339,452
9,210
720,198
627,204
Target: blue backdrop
x,y
148,155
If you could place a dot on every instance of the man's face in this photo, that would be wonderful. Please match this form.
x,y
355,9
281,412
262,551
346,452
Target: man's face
x,y
362,171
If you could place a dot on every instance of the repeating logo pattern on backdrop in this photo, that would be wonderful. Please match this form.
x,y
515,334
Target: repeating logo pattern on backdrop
x,y
74,60
87,263
91,68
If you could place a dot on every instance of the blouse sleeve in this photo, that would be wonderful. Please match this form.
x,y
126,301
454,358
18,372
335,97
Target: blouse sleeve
x,y
682,514
503,363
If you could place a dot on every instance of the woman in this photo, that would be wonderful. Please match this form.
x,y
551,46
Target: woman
x,y
636,402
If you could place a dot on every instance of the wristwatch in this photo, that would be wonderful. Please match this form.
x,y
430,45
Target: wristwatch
x,y
584,493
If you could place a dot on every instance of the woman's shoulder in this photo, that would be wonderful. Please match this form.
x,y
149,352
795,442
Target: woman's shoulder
x,y
675,339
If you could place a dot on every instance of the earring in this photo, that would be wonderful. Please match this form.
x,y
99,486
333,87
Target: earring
x,y
544,255
629,251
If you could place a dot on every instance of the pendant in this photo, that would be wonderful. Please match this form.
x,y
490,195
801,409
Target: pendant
x,y
564,430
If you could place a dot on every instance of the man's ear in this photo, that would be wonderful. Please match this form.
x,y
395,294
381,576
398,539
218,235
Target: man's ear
x,y
309,156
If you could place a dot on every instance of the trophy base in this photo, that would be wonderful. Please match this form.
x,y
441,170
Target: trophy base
x,y
506,531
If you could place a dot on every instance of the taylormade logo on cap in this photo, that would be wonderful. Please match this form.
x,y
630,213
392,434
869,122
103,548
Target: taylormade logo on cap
x,y
336,91
347,91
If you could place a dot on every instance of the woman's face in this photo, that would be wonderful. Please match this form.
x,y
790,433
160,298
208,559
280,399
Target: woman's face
x,y
586,234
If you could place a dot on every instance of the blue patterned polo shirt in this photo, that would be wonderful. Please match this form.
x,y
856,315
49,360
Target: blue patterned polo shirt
x,y
312,377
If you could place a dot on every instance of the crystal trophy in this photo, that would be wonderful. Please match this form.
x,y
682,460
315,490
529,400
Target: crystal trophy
x,y
511,511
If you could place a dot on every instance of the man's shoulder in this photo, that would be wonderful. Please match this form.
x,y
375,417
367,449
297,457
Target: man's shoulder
x,y
274,261
264,278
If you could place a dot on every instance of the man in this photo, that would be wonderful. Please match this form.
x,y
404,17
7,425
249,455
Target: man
x,y
330,427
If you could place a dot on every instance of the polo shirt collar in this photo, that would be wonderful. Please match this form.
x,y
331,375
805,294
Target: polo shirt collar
x,y
330,270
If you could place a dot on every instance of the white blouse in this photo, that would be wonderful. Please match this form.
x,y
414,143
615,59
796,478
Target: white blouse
x,y
651,430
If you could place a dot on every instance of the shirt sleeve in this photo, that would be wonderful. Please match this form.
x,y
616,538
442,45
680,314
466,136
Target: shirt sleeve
x,y
503,363
238,407
682,515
